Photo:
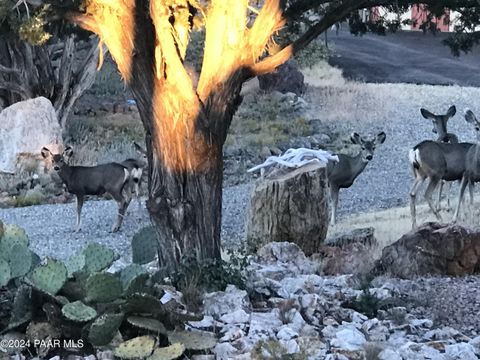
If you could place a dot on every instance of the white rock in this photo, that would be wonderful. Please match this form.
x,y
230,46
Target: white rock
x,y
445,333
264,325
286,333
297,321
389,354
422,323
460,351
232,299
291,346
475,342
349,339
232,334
25,127
336,357
206,322
237,317
224,351
358,318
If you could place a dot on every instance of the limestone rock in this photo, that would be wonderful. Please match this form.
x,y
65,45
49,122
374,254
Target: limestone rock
x,y
224,302
25,127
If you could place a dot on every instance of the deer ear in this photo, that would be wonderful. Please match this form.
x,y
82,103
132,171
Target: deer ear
x,y
452,110
140,149
380,139
470,117
45,152
427,114
68,152
355,138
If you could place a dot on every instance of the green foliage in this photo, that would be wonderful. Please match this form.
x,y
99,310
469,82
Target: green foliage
x,y
168,353
144,245
5,273
148,324
312,54
103,287
98,257
78,311
49,278
104,329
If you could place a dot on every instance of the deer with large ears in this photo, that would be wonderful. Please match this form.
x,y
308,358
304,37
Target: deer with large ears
x,y
136,168
92,180
471,174
440,123
343,173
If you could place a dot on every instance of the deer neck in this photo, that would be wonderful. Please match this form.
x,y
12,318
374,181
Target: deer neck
x,y
358,165
65,174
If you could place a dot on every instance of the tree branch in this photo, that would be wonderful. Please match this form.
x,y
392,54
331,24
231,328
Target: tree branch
x,y
8,70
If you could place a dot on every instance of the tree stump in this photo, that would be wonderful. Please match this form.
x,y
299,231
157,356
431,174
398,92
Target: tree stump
x,y
290,205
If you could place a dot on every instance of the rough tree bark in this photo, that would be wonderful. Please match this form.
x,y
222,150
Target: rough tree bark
x,y
186,122
61,72
290,206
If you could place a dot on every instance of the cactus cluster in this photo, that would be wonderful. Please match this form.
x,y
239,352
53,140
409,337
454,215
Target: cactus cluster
x,y
144,246
16,259
79,299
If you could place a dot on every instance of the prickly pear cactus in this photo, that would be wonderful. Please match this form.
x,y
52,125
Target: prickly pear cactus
x,y
2,229
13,235
130,272
22,307
193,340
147,324
171,352
78,311
104,329
75,263
20,260
143,303
139,347
5,273
144,245
98,257
103,287
49,278
139,284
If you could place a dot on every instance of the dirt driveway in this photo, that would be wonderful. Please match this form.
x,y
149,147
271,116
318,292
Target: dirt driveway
x,y
406,56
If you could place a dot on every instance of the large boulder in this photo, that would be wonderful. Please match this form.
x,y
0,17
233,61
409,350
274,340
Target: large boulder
x,y
286,78
25,127
432,249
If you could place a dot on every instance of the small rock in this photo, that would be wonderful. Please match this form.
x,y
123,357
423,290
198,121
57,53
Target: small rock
x,y
286,333
389,354
224,302
460,351
224,351
237,317
349,339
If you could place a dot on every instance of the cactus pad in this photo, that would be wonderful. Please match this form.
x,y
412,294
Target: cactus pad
x,y
103,287
147,324
50,277
131,271
13,235
20,260
143,304
22,307
171,352
104,328
5,273
78,311
75,263
138,347
193,340
98,257
144,245
140,284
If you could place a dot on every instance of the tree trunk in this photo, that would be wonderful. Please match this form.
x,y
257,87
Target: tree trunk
x,y
290,206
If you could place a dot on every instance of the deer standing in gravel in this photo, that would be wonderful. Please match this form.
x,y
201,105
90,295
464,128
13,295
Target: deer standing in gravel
x,y
92,180
472,164
343,173
440,128
437,161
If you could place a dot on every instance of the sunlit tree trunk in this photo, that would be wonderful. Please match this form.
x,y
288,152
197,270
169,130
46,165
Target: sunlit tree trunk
x,y
186,123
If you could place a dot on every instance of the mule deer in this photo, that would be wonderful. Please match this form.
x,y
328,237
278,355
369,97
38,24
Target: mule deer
x,y
440,128
136,169
343,173
472,164
92,180
436,161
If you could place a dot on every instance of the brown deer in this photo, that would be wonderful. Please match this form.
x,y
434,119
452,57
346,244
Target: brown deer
x,y
108,178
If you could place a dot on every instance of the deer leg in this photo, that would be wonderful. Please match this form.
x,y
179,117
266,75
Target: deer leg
x,y
413,194
79,211
334,200
122,208
470,190
439,200
428,196
460,198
